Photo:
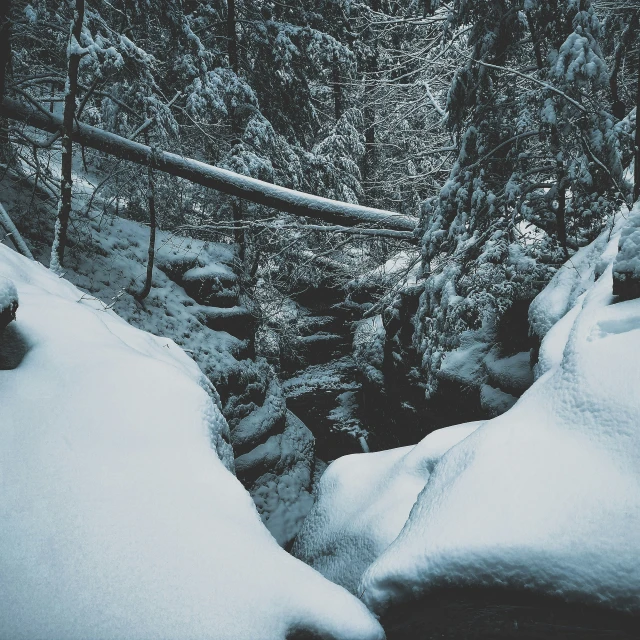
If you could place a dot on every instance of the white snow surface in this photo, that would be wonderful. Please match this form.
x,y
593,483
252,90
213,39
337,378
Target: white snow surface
x,y
117,518
573,279
546,497
363,501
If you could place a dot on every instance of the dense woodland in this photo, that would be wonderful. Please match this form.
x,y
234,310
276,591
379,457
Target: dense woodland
x,y
435,165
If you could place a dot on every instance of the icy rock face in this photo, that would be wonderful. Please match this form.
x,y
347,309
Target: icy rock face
x,y
546,497
363,501
626,267
8,302
118,519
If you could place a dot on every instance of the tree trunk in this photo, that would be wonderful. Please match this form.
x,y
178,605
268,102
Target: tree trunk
x,y
337,89
10,229
71,91
636,155
369,111
5,43
294,202
151,202
561,223
232,52
369,118
232,37
534,39
617,106
560,211
238,231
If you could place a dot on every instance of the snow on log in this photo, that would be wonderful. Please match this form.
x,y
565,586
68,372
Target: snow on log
x,y
264,193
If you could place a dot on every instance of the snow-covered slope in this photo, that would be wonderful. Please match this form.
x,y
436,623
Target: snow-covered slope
x,y
543,499
546,497
117,518
194,300
363,501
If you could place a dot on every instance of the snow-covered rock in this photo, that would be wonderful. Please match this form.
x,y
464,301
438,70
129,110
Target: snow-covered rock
x,y
363,501
279,476
546,497
117,518
8,302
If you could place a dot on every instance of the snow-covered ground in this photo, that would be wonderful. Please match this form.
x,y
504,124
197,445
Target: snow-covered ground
x,y
363,501
117,518
544,498
193,288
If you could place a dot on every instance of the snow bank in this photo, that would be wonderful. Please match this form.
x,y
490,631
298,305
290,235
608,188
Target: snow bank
x,y
194,300
117,518
362,503
546,497
571,281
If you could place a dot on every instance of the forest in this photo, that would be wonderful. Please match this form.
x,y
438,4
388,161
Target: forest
x,y
317,319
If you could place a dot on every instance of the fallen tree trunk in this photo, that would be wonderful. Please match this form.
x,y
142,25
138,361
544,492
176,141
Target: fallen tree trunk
x,y
264,193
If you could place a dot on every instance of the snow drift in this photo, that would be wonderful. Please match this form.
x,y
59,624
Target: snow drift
x,y
363,501
117,518
544,498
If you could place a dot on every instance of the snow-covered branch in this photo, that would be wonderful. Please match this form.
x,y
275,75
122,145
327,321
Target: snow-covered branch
x,y
264,193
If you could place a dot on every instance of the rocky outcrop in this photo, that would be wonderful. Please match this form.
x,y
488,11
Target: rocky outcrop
x,y
274,451
279,474
320,373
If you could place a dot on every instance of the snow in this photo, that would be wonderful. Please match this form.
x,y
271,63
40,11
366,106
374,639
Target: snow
x,y
465,364
555,309
332,376
117,518
363,501
107,258
265,193
571,280
546,497
512,373
283,466
494,400
215,270
8,295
